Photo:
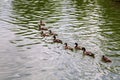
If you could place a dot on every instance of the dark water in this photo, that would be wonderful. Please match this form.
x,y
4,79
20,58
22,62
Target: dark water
x,y
25,55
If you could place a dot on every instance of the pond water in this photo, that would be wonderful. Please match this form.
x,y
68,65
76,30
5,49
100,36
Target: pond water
x,y
25,55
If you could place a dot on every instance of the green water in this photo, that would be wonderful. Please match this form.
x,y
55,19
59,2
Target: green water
x,y
25,55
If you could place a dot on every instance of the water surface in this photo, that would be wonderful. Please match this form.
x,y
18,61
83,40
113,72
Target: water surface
x,y
25,55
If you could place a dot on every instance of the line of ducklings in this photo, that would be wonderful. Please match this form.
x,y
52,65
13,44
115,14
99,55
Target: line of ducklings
x,y
66,47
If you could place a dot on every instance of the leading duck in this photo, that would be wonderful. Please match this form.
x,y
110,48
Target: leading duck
x,y
42,26
42,23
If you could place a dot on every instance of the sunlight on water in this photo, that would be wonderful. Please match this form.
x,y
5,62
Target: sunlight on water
x,y
26,55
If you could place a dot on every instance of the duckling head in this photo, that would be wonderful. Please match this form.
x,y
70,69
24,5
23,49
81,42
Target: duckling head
x,y
54,37
41,23
76,44
103,56
65,44
83,48
50,31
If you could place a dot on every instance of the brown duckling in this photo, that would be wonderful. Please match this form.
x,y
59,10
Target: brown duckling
x,y
88,52
56,40
51,33
106,59
77,47
68,47
42,23
42,28
43,34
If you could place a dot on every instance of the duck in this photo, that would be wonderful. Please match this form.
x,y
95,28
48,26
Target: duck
x,y
77,47
106,59
68,47
43,34
42,28
42,23
88,52
51,33
56,40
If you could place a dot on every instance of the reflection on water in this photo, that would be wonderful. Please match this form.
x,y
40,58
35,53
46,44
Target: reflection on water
x,y
26,55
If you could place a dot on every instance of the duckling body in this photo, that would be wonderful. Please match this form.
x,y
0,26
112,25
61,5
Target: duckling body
x,y
42,28
43,34
68,47
106,59
56,40
88,53
77,47
51,33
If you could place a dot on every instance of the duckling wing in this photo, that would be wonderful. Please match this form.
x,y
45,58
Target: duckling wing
x,y
88,53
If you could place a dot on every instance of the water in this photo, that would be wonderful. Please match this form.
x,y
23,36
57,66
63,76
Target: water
x,y
25,55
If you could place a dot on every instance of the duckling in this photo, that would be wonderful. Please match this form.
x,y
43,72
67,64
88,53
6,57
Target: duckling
x,y
56,40
106,59
68,47
51,33
43,34
77,47
42,23
42,28
88,52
